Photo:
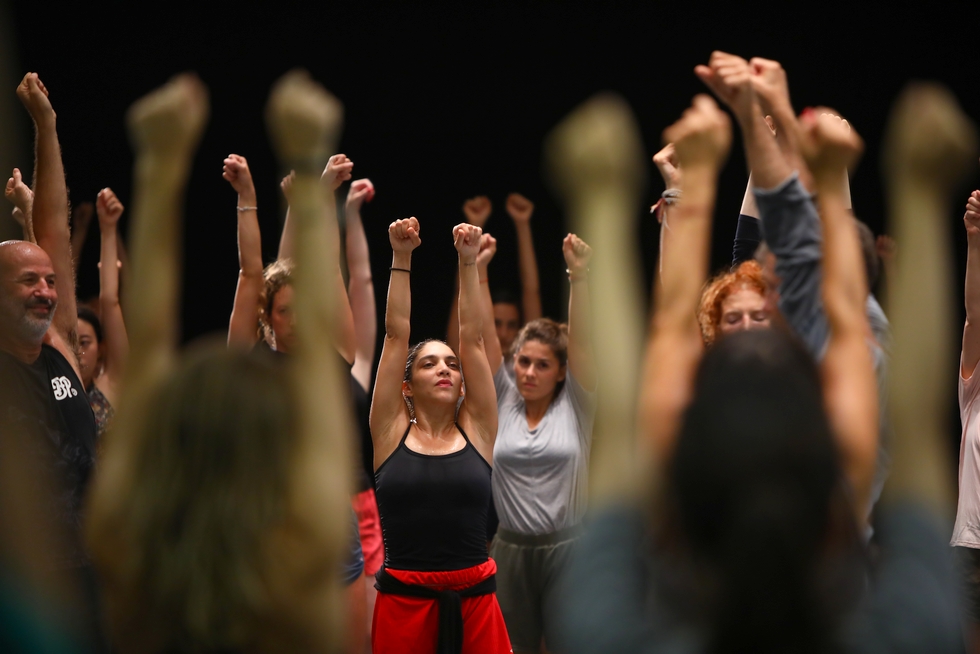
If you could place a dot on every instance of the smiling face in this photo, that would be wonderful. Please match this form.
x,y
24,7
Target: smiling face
x,y
282,320
537,371
436,376
745,308
27,294
88,352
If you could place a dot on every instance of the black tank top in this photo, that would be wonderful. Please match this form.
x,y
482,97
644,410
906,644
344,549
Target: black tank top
x,y
434,508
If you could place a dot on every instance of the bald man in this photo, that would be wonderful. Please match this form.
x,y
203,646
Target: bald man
x,y
43,399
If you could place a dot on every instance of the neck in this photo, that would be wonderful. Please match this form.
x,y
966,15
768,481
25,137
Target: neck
x,y
25,351
436,421
535,409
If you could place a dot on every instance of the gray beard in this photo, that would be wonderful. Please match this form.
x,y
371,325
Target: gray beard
x,y
35,329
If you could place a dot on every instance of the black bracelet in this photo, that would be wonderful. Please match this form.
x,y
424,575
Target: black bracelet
x,y
400,269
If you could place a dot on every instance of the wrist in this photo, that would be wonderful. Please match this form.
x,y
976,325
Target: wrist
x,y
467,260
401,259
247,199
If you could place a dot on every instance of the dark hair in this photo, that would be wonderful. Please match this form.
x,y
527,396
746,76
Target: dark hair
x,y
755,487
872,264
89,316
505,296
413,354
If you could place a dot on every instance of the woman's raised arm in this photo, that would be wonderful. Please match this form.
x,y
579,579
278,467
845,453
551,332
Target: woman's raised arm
x,y
109,209
244,324
389,413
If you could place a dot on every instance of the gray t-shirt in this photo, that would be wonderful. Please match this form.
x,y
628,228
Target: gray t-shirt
x,y
540,475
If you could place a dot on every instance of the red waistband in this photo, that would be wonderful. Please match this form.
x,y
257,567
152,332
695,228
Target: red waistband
x,y
446,579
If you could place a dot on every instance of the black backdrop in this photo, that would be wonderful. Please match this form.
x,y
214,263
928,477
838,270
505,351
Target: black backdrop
x,y
446,102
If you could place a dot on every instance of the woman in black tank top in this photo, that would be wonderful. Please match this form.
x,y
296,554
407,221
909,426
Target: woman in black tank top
x,y
433,443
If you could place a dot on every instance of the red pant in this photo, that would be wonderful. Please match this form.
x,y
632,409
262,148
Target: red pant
x,y
409,625
369,523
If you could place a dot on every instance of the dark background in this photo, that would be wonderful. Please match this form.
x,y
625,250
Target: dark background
x,y
446,102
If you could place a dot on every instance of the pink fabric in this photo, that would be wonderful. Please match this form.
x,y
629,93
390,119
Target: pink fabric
x,y
966,530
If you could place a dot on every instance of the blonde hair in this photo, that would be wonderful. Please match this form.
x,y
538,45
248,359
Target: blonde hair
x,y
211,478
747,275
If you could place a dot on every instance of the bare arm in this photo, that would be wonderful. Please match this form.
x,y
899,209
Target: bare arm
x,y
595,156
520,210
360,284
244,322
117,342
165,127
389,414
849,384
22,197
929,145
701,138
971,330
477,211
491,342
49,212
478,413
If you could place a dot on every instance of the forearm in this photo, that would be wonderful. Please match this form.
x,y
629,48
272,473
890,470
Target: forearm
x,y
918,375
399,308
470,310
452,329
685,264
249,235
108,268
973,280
845,289
286,239
528,263
361,288
116,339
767,163
490,339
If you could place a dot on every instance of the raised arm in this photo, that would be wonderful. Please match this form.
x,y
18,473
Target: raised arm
x,y
244,323
701,138
478,413
849,384
581,356
929,147
49,213
520,210
360,284
491,342
477,211
165,128
971,330
22,197
389,413
109,209
336,172
304,121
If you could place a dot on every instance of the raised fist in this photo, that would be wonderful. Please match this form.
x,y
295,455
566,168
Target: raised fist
x,y
34,96
730,78
287,185
768,80
666,163
972,216
577,253
477,210
108,207
467,239
18,193
361,191
337,172
488,248
928,138
235,171
404,235
828,144
519,208
702,136
304,120
171,119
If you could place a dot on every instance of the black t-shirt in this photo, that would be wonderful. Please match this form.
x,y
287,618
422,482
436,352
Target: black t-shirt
x,y
45,403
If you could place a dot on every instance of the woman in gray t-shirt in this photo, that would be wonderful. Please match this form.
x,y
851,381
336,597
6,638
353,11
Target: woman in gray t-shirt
x,y
546,406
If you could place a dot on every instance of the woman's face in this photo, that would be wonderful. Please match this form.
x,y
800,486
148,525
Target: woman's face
x,y
746,308
507,320
88,352
282,319
537,371
436,376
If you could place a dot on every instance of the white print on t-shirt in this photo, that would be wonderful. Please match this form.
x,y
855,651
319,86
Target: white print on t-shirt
x,y
62,388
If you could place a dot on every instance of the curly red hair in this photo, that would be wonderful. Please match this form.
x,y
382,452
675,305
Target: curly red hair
x,y
747,275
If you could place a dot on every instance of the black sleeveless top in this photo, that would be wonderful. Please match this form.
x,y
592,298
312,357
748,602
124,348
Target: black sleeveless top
x,y
434,508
